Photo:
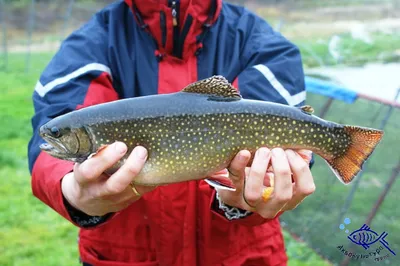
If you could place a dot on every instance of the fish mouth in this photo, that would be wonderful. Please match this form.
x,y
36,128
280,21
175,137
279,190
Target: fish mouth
x,y
54,148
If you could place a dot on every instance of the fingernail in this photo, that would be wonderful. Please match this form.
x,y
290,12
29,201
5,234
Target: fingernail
x,y
141,152
263,152
120,147
307,152
277,152
290,153
241,156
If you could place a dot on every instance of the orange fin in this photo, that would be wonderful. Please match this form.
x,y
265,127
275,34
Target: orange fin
x,y
99,150
363,143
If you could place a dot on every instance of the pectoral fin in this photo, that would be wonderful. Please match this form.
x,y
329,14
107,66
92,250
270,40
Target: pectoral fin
x,y
219,185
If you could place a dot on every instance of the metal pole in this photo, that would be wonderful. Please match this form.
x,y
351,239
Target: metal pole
x,y
326,107
67,17
395,173
3,21
350,197
375,208
30,28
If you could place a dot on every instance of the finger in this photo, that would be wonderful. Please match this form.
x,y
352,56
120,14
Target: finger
x,y
305,154
121,179
223,172
269,179
93,168
237,167
304,183
283,189
255,179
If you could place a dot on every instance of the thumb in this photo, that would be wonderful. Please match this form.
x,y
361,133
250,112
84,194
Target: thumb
x,y
91,169
237,168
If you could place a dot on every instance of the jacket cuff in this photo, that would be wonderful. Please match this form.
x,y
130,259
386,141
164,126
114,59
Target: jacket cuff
x,y
84,220
246,218
47,175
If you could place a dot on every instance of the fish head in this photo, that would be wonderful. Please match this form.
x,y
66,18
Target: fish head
x,y
66,142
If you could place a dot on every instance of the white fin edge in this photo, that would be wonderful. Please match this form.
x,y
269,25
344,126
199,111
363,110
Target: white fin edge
x,y
218,185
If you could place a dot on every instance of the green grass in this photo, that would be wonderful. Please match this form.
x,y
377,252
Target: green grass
x,y
353,52
32,233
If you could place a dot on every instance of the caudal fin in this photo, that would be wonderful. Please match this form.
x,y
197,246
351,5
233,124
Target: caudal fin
x,y
363,143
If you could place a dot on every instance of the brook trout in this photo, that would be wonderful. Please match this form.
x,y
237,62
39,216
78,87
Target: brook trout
x,y
198,131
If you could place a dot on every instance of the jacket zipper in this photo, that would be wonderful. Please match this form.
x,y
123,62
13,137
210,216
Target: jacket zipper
x,y
174,4
179,37
163,25
174,13
184,33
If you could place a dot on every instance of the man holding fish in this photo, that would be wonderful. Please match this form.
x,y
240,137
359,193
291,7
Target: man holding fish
x,y
138,48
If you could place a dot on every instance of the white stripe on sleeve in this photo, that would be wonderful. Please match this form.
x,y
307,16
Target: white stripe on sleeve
x,y
42,90
290,99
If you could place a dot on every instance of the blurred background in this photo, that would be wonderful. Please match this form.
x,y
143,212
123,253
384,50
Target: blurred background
x,y
351,56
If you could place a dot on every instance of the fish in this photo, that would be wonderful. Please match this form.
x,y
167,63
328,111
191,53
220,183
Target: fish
x,y
198,130
365,237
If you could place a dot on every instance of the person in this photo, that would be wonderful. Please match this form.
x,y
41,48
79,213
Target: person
x,y
135,48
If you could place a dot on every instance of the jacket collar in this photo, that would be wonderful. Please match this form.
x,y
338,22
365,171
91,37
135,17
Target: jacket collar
x,y
177,26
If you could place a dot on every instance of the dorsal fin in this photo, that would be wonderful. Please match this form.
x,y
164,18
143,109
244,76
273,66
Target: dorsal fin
x,y
216,86
307,109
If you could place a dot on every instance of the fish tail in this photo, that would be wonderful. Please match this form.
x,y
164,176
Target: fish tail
x,y
363,142
383,241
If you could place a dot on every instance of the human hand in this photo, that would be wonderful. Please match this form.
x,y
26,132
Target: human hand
x,y
91,191
269,192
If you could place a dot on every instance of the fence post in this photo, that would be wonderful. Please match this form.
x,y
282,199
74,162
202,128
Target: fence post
x,y
67,17
31,25
3,21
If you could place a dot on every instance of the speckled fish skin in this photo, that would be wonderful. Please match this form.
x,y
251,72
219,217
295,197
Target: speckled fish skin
x,y
190,135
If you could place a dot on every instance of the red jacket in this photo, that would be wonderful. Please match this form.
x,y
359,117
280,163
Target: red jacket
x,y
129,50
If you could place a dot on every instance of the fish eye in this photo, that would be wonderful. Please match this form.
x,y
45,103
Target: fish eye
x,y
55,132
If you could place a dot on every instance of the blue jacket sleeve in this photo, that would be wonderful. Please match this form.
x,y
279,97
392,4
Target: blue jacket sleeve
x,y
272,66
77,76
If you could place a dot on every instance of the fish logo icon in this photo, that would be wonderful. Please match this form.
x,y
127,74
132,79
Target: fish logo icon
x,y
365,237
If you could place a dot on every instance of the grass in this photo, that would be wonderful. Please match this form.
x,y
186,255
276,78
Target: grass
x,y
32,233
353,52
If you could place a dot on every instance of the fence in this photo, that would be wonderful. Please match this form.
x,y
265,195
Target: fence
x,y
331,33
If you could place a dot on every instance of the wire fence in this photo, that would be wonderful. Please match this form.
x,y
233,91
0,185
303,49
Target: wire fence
x,y
329,33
